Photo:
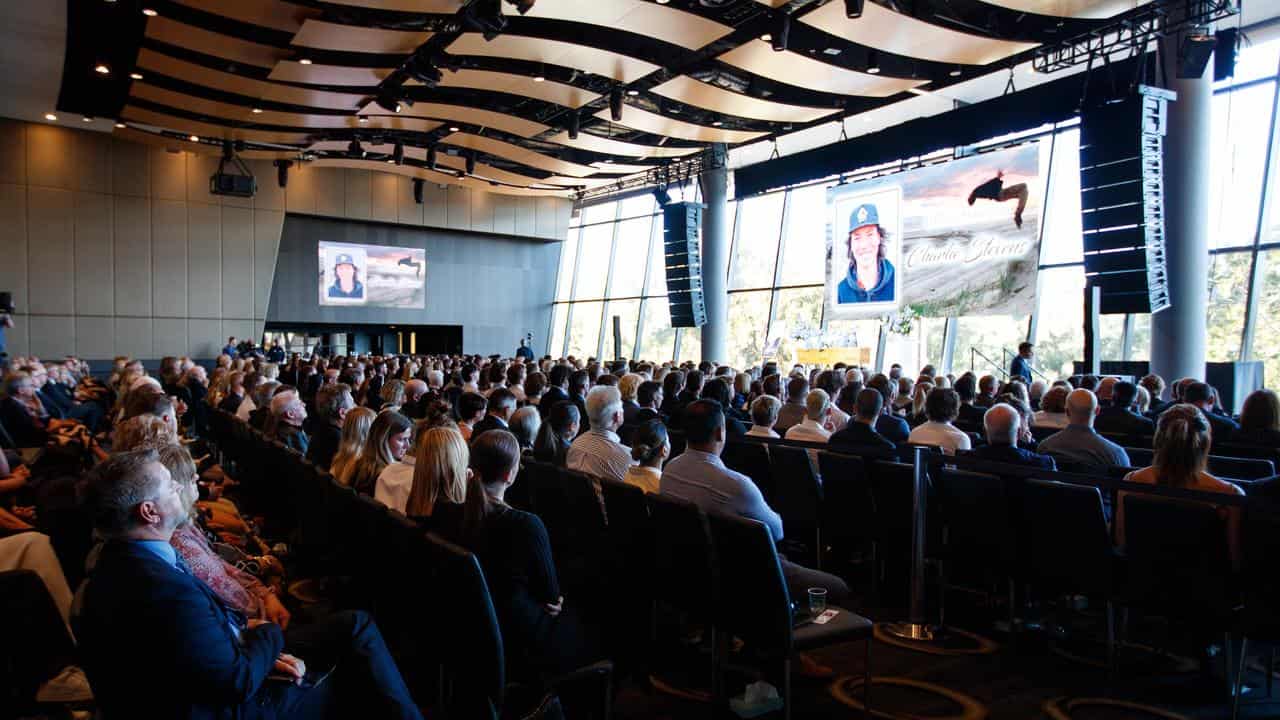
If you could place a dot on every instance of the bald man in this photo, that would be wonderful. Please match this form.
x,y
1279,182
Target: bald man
x,y
1078,446
1001,424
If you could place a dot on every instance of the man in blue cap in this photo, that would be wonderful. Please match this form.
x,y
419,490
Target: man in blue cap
x,y
346,278
870,277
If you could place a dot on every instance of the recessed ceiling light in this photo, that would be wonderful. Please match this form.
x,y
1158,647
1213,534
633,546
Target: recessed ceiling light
x,y
304,61
102,69
663,2
149,12
121,125
256,111
874,70
454,128
193,138
539,79
717,123
50,117
831,51
86,118
767,37
362,119
393,162
135,75
633,93
955,72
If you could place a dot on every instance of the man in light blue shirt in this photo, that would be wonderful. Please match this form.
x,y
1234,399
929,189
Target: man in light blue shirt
x,y
700,477
1078,446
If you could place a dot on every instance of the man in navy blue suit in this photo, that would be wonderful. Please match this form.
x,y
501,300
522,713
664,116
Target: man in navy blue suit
x,y
158,643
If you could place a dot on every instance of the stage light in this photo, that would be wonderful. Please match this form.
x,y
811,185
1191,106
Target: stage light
x,y
418,185
431,157
194,138
486,17
354,149
471,163
781,34
135,75
661,195
149,12
1194,52
615,103
575,124
397,154
873,62
282,171
387,101
102,69
853,8
454,128
523,6
421,68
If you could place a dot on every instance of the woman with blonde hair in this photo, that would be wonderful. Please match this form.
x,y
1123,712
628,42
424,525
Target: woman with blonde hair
x,y
440,476
355,431
1181,459
392,394
919,394
388,441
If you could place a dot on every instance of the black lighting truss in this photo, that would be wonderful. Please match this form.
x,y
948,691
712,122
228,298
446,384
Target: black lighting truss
x,y
1131,31
674,172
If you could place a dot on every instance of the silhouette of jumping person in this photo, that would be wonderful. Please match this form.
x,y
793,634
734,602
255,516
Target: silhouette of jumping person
x,y
994,189
408,261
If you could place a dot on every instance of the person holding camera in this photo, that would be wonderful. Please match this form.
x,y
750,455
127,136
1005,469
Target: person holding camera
x,y
6,321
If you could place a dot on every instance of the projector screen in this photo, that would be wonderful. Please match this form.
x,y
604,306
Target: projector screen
x,y
957,238
372,276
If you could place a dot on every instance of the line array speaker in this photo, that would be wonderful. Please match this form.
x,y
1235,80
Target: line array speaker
x,y
683,258
1122,201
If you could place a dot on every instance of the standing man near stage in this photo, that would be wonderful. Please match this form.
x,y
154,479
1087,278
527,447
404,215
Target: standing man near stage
x,y
1021,365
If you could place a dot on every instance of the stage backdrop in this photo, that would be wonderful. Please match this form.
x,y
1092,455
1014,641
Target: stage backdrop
x,y
944,240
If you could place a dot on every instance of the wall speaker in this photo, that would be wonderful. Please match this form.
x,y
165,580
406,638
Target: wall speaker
x,y
682,255
1122,201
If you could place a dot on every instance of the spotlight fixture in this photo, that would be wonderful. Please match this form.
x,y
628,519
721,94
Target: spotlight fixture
x,y
135,75
354,149
575,124
522,6
431,157
485,16
193,138
661,195
418,186
389,102
86,118
955,71
102,69
454,128
853,8
615,103
471,163
397,154
282,171
149,12
1194,52
781,34
256,111
422,69
304,61
717,123
50,117
121,125
873,62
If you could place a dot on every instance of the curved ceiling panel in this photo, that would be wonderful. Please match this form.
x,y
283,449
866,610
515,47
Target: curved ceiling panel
x,y
442,7
554,52
152,61
900,34
704,95
187,126
274,14
1075,9
172,143
439,177
643,18
294,71
792,68
463,114
356,38
240,113
456,162
547,90
595,143
637,119
211,43
518,154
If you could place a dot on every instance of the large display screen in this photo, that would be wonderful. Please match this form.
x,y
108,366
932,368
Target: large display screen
x,y
958,238
372,276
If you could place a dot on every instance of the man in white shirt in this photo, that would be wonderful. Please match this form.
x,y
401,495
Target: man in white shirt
x,y
817,410
942,406
764,413
599,452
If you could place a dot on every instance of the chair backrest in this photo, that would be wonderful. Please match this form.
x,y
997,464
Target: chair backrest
x,y
750,574
892,491
677,442
1040,432
522,495
683,557
1178,559
1064,541
1140,457
1241,468
630,532
750,459
848,509
974,509
797,494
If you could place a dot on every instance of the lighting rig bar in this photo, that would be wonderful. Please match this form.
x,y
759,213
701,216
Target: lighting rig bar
x,y
1132,31
677,171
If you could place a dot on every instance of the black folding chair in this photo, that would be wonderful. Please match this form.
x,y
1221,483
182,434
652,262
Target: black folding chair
x,y
978,533
848,508
797,497
683,566
750,459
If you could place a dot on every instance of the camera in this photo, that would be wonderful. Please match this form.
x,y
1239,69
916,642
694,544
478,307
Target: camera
x,y
6,304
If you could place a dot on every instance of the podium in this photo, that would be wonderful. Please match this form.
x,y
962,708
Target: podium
x,y
830,356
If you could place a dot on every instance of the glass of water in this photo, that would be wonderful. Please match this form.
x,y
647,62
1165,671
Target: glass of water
x,y
817,601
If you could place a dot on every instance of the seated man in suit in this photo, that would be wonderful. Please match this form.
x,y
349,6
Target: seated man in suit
x,y
649,396
498,412
1119,417
289,413
861,430
1202,396
1002,423
970,414
159,643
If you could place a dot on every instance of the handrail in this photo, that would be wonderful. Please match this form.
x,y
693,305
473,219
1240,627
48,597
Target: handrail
x,y
973,363
1009,354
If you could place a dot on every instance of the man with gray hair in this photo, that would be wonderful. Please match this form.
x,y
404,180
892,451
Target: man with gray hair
x,y
599,452
524,424
1002,423
414,406
332,404
817,409
287,414
158,642
1078,446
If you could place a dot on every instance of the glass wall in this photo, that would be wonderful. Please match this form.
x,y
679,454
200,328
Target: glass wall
x,y
612,265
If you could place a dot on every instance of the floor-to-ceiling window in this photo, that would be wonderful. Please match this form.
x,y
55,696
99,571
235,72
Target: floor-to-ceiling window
x,y
612,265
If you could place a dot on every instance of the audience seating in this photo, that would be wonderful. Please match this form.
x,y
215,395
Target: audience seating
x,y
977,530
751,459
798,499
848,508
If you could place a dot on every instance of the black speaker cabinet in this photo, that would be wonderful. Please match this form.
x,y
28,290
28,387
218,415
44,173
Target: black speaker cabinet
x,y
682,254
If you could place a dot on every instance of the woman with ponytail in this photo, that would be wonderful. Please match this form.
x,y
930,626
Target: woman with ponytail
x,y
515,552
650,448
440,476
1182,443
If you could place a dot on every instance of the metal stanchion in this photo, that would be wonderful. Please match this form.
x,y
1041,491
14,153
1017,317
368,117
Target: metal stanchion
x,y
916,628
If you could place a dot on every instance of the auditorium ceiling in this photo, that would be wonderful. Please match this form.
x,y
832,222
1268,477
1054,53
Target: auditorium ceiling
x,y
571,94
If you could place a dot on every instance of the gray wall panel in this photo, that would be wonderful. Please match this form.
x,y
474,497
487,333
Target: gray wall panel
x,y
204,261
169,175
93,162
134,337
13,243
330,190
359,193
171,337
51,157
169,260
95,258
51,335
435,211
51,251
13,152
385,186
95,337
266,241
133,256
237,262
